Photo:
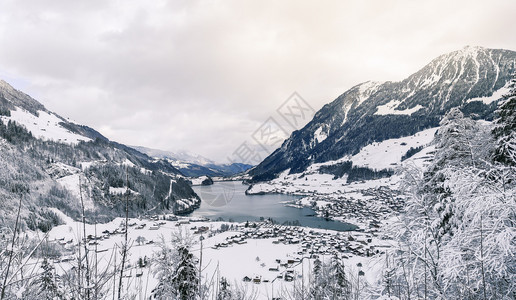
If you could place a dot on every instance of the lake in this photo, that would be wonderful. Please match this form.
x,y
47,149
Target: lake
x,y
227,200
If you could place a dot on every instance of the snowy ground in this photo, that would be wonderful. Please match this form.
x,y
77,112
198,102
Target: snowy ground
x,y
253,256
45,126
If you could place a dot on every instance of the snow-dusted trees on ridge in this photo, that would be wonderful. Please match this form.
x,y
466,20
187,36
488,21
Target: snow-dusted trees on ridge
x,y
457,237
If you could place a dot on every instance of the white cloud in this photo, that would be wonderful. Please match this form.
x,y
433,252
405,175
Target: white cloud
x,y
203,75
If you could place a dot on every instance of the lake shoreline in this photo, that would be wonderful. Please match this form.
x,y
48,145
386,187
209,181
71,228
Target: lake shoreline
x,y
228,201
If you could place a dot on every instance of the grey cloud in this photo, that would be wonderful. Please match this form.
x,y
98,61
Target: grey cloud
x,y
203,75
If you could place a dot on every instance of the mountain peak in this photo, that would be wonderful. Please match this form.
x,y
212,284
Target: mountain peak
x,y
4,83
11,98
181,155
472,49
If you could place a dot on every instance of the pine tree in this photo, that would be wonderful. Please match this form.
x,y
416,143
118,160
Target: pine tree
x,y
457,235
224,292
175,268
505,129
317,284
186,279
340,285
46,285
317,268
453,150
431,218
453,137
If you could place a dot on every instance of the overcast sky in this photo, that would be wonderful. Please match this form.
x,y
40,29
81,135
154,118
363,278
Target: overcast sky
x,y
204,75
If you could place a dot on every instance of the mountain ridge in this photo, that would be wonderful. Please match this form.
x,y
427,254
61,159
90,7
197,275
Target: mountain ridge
x,y
52,163
354,120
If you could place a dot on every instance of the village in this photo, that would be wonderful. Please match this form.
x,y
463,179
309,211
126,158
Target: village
x,y
312,244
305,244
369,210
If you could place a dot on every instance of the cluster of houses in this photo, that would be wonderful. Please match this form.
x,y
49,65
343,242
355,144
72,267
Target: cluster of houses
x,y
375,205
312,244
315,242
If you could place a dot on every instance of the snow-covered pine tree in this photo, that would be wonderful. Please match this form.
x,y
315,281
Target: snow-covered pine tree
x,y
224,290
454,149
174,267
340,285
431,218
473,256
186,279
317,280
46,285
317,267
505,127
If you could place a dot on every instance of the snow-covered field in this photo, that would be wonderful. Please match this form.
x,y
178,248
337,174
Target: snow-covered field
x,y
388,154
263,254
44,126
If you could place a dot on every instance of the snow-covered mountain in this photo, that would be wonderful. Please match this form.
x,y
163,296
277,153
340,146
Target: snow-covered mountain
x,y
195,165
473,78
51,162
180,156
42,123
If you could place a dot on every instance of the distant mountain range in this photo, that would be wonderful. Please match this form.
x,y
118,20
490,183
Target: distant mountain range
x,y
181,155
473,79
195,165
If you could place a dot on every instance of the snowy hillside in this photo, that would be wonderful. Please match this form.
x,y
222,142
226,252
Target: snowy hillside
x,y
52,162
497,95
45,126
388,154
